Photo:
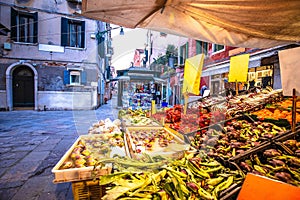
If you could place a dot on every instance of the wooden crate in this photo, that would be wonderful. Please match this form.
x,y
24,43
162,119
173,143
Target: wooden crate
x,y
76,174
130,147
87,190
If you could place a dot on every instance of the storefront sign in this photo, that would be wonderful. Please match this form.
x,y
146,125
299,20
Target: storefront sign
x,y
238,69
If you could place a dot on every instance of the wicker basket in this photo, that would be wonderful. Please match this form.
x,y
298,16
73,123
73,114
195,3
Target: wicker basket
x,y
87,190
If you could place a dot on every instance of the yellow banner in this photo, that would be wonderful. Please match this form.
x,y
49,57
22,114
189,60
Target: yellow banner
x,y
192,74
238,70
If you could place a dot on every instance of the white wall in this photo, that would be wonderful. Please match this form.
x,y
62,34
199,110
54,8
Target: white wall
x,y
3,99
56,100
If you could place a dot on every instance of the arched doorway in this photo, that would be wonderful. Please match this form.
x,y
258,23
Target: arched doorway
x,y
18,69
23,87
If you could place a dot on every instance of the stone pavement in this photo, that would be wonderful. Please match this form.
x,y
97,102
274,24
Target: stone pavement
x,y
32,142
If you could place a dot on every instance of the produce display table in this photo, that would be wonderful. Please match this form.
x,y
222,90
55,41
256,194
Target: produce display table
x,y
210,162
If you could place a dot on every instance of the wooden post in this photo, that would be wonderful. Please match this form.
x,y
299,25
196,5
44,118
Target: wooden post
x,y
294,110
186,99
236,88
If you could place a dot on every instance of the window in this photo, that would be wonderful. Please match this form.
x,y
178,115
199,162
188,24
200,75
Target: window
x,y
74,77
184,53
217,48
72,33
24,26
201,47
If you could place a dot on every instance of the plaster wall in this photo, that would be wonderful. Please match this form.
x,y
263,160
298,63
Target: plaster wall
x,y
56,100
3,105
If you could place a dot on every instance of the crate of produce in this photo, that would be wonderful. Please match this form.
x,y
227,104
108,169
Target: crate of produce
x,y
273,161
138,117
153,141
194,176
233,137
78,162
106,127
279,113
87,190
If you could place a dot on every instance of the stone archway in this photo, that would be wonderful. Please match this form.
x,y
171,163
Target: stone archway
x,y
9,84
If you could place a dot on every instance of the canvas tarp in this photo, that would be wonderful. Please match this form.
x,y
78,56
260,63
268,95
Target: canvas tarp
x,y
237,23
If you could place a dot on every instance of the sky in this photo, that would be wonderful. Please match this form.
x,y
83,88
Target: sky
x,y
125,45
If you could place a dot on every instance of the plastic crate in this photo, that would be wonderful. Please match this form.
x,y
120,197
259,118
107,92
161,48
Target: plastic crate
x,y
87,190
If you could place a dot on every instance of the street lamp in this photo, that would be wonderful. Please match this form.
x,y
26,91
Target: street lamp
x,y
101,33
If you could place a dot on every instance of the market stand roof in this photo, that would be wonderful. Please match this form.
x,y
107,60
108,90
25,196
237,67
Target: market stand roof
x,y
237,23
138,74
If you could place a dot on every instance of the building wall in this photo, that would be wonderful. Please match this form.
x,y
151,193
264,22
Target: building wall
x,y
192,48
50,66
58,100
49,32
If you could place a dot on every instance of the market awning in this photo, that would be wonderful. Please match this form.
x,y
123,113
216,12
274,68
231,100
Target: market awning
x,y
121,78
159,80
237,23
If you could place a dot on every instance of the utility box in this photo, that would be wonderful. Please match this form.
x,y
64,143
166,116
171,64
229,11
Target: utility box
x,y
7,46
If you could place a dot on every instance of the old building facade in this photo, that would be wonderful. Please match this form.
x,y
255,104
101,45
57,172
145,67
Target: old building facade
x,y
51,58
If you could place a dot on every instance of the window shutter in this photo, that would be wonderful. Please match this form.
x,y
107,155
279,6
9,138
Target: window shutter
x,y
13,24
35,31
181,55
198,47
187,50
82,34
66,77
83,78
64,31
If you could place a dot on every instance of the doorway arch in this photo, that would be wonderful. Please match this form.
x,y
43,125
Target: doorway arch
x,y
21,70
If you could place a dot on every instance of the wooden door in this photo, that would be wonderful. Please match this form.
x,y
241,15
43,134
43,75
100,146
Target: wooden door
x,y
23,87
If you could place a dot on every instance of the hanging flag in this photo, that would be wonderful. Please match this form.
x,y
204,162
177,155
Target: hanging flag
x,y
137,58
238,70
192,74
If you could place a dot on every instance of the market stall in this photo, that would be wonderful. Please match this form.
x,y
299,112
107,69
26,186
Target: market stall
x,y
210,163
137,87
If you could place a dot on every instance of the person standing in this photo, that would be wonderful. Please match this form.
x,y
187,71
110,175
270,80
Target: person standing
x,y
158,97
203,88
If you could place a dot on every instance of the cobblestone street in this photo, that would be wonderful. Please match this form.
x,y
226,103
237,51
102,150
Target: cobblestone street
x,y
32,142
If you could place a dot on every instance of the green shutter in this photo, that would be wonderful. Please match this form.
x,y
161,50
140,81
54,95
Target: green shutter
x,y
66,77
82,34
35,31
13,24
187,50
64,31
181,55
83,78
198,47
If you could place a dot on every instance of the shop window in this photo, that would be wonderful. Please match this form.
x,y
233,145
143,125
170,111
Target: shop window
x,y
74,77
201,47
72,33
216,48
24,26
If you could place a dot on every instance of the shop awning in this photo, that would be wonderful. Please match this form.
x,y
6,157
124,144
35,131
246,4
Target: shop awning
x,y
237,23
